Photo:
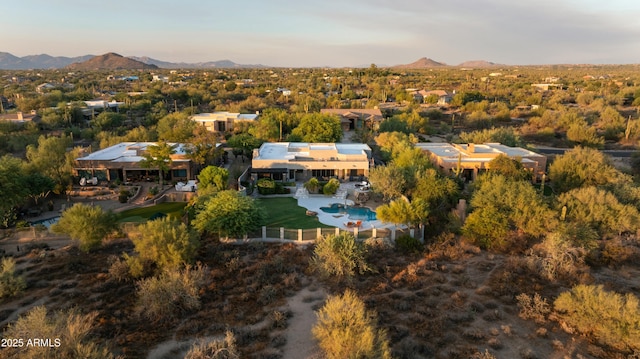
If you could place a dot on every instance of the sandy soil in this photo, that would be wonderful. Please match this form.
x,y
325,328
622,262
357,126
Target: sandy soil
x,y
300,342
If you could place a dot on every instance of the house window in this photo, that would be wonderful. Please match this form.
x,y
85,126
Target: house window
x,y
323,173
179,173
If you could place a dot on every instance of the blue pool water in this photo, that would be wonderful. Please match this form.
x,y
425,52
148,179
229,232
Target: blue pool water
x,y
356,213
46,222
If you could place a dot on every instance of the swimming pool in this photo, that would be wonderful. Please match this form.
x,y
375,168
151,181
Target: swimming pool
x,y
46,222
356,213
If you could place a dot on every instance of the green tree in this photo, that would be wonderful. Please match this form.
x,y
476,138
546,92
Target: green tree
x,y
176,127
203,147
347,330
316,127
487,226
584,166
228,213
611,318
518,201
504,135
600,210
87,224
340,256
510,168
243,144
50,158
166,242
108,121
213,178
584,135
390,181
12,189
158,156
38,186
269,124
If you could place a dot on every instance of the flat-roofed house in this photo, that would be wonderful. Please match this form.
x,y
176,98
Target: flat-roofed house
x,y
222,121
123,162
299,161
474,158
20,117
352,118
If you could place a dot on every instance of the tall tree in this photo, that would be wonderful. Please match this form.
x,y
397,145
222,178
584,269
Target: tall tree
x,y
228,213
176,127
316,127
213,179
159,156
50,158
12,189
584,166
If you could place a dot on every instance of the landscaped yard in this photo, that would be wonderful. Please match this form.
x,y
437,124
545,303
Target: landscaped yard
x,y
142,214
285,212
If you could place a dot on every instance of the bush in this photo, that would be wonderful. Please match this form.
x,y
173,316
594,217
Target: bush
x,y
10,284
406,243
167,243
70,329
266,186
312,185
345,329
216,349
533,307
339,256
331,187
613,319
170,294
124,195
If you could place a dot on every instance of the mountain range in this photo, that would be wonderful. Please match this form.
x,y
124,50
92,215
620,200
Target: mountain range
x,y
107,61
113,61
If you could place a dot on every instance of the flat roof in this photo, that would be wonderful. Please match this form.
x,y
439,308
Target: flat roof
x,y
289,150
127,152
444,150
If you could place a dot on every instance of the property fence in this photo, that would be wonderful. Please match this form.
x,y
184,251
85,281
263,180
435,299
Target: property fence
x,y
305,235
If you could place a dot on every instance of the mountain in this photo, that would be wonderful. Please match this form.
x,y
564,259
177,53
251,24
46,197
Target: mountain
x,y
479,64
423,63
197,65
110,61
11,62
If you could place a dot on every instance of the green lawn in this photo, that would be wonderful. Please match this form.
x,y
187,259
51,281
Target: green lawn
x,y
142,214
285,212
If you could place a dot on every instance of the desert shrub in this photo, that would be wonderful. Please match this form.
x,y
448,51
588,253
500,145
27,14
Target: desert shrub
x,y
345,329
89,225
171,293
613,319
10,284
119,269
533,307
486,227
331,187
216,349
154,190
69,329
406,243
124,195
167,243
340,256
266,186
312,185
556,257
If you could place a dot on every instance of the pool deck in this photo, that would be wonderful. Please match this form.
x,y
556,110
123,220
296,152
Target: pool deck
x,y
314,202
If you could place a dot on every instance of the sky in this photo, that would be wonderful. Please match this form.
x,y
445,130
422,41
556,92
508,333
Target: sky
x,y
336,33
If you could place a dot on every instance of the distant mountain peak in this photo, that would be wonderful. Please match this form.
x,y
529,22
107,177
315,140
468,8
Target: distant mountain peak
x,y
422,63
111,61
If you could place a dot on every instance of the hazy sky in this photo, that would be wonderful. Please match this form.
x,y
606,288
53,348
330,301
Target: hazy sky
x,y
329,32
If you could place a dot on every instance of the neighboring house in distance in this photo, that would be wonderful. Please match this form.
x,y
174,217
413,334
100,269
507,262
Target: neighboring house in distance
x,y
20,117
160,78
352,119
475,158
548,86
222,121
299,161
42,88
123,162
444,98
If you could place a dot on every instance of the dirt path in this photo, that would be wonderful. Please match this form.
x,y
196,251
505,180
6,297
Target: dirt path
x,y
300,342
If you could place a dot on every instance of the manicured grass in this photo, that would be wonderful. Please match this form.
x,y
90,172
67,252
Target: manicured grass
x,y
285,212
142,214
